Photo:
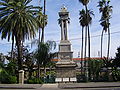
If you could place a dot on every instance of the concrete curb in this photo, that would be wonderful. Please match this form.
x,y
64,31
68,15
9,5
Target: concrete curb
x,y
17,88
61,85
87,85
20,86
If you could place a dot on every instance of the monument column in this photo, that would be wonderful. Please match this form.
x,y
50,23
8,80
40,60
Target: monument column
x,y
62,30
65,67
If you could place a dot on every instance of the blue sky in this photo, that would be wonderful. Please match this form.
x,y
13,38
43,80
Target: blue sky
x,y
52,30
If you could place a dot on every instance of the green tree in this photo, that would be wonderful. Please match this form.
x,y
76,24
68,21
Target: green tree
x,y
43,54
117,58
17,21
29,62
7,70
106,10
94,68
2,61
116,65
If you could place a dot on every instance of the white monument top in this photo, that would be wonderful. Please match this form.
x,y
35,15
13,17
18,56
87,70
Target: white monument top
x,y
63,9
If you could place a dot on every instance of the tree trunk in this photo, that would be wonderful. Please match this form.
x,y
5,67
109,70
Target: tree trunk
x,y
88,43
85,49
19,50
89,53
38,70
42,37
12,46
38,62
44,70
39,34
82,50
108,52
44,6
86,62
101,41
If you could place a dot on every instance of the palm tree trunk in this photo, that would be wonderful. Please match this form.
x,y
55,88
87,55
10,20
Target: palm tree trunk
x,y
42,36
82,50
108,50
38,61
88,43
19,50
108,44
101,41
39,34
86,66
89,52
42,39
85,49
12,46
44,6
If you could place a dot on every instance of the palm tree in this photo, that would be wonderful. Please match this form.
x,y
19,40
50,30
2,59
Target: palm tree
x,y
85,2
17,20
85,23
41,20
82,23
105,9
87,20
43,24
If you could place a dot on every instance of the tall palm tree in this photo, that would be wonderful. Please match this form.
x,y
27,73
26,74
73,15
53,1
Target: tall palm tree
x,y
82,23
106,10
87,20
17,20
85,2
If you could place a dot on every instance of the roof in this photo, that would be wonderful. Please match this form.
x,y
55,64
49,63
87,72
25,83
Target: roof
x,y
80,59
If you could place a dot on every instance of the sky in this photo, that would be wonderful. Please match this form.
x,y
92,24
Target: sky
x,y
52,30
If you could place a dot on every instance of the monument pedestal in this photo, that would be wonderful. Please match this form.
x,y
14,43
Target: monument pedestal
x,y
65,72
65,67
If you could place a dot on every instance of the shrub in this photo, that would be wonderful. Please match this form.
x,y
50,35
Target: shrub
x,y
81,78
12,79
34,81
5,78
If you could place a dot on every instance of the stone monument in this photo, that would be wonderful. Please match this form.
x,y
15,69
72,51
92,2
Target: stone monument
x,y
65,67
